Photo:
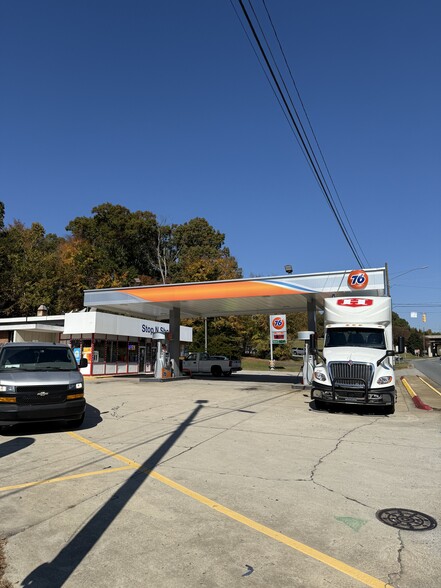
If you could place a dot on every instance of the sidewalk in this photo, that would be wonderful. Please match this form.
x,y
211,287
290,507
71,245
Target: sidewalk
x,y
415,378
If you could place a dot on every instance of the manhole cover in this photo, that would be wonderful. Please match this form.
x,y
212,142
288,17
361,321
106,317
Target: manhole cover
x,y
408,520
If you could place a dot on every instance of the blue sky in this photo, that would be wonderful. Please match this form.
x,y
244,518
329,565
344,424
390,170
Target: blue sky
x,y
163,106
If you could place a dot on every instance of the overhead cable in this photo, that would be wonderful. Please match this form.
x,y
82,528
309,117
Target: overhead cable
x,y
310,126
302,138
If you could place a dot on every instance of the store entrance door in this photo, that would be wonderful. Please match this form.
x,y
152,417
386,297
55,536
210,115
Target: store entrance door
x,y
141,366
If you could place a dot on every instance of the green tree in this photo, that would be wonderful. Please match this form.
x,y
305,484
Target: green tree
x,y
199,253
400,328
122,244
415,341
30,275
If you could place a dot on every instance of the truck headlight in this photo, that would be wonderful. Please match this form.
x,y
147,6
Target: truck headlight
x,y
384,380
320,376
7,388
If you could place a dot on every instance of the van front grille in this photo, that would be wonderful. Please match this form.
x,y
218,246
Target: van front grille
x,y
24,399
41,394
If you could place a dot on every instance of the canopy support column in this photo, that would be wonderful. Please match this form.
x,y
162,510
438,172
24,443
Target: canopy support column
x,y
312,316
174,341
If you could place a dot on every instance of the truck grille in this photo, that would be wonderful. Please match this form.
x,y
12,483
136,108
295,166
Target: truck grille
x,y
356,376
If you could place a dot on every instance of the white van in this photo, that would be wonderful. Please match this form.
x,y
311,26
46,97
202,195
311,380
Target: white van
x,y
40,382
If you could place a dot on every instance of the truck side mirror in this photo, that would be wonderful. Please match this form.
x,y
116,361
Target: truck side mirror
x,y
389,353
400,344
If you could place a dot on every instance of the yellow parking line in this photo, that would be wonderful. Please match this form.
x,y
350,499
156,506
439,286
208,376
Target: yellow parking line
x,y
64,478
427,384
338,565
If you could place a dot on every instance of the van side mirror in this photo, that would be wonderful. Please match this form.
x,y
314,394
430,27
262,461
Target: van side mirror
x,y
83,362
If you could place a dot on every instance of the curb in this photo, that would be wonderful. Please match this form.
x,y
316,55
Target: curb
x,y
415,398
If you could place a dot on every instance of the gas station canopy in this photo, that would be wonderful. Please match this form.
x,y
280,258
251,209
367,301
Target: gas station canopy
x,y
283,294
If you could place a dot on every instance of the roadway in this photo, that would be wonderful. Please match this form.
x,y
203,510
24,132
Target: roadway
x,y
430,367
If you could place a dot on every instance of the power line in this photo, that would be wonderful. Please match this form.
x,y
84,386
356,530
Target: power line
x,y
302,139
311,128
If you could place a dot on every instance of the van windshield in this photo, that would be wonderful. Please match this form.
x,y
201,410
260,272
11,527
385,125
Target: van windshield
x,y
37,359
355,337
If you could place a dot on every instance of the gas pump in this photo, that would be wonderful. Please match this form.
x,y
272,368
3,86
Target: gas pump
x,y
162,363
308,365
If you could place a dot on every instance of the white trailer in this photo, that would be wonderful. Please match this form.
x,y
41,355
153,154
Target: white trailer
x,y
357,364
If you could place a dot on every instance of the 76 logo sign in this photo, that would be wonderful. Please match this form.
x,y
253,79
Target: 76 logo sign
x,y
358,280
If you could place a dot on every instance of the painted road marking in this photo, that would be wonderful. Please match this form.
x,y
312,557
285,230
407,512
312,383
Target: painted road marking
x,y
427,384
338,565
64,478
416,399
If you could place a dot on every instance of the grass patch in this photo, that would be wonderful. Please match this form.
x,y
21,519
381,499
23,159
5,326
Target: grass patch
x,y
256,364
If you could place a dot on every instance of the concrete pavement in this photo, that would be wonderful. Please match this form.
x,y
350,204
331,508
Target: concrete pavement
x,y
220,483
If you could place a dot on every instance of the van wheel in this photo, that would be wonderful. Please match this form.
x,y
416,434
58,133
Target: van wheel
x,y
216,371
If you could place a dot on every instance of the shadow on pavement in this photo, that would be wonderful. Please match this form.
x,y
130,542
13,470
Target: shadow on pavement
x,y
15,445
271,377
92,418
349,409
58,571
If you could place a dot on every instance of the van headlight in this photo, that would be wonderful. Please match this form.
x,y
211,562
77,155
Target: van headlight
x,y
384,380
7,388
319,376
77,386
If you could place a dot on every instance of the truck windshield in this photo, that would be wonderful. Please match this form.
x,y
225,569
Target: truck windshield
x,y
36,359
355,337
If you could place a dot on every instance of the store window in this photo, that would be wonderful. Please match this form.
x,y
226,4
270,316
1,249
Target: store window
x,y
112,351
132,348
122,352
99,351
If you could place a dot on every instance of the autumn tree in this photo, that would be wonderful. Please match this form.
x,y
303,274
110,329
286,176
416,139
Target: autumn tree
x,y
122,245
200,254
30,269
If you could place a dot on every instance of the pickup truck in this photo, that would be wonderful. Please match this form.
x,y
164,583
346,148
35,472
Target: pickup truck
x,y
216,365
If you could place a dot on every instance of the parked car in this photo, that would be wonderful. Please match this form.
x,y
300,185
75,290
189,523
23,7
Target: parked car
x,y
40,382
296,351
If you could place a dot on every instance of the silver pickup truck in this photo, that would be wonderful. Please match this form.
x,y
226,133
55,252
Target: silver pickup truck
x,y
216,365
40,382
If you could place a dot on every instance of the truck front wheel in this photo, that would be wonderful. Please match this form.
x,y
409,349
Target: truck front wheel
x,y
389,409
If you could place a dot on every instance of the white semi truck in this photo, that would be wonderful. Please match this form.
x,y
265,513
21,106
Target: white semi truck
x,y
357,363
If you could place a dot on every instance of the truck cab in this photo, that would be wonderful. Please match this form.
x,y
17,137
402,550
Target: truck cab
x,y
357,363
